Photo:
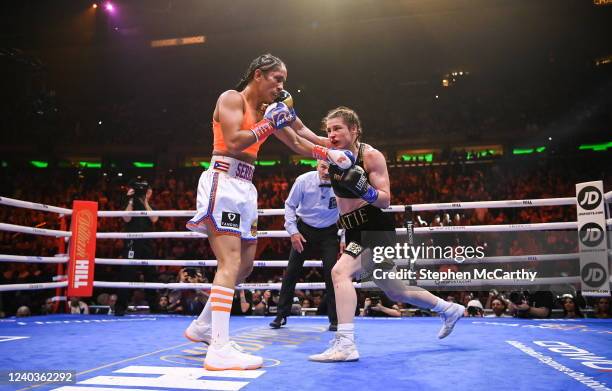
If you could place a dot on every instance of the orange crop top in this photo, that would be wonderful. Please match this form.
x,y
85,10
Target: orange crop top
x,y
247,123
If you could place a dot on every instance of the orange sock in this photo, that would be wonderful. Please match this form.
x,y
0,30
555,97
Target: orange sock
x,y
221,304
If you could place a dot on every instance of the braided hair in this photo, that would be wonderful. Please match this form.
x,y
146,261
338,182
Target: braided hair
x,y
265,62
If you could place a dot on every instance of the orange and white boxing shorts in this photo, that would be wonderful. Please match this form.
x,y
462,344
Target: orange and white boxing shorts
x,y
227,199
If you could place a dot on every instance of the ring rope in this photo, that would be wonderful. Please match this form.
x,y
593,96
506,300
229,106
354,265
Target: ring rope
x,y
32,259
299,286
30,287
34,205
525,203
34,231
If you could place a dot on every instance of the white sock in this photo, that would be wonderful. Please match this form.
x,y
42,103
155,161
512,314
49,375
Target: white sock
x,y
441,306
206,315
347,330
221,298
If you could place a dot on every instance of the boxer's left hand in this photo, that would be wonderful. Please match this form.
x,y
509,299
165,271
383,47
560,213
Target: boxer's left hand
x,y
355,180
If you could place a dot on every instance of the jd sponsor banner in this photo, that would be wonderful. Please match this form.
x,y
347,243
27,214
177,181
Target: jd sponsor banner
x,y
82,248
594,270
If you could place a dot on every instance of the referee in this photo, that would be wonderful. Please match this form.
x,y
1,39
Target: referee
x,y
310,218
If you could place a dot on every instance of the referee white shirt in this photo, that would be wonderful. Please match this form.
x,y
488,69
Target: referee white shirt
x,y
313,201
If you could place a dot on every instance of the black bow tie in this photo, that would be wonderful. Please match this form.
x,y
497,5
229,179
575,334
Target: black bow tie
x,y
325,185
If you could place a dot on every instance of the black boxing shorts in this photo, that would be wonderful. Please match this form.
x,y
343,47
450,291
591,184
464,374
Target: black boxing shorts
x,y
366,228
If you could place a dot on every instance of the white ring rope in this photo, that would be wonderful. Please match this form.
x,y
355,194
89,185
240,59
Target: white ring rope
x,y
34,231
608,196
34,205
526,203
32,259
284,234
308,263
419,230
300,286
496,204
30,287
321,285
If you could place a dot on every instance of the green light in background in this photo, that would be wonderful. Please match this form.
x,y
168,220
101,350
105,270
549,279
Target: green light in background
x,y
308,162
143,164
39,163
425,157
4,163
522,151
266,163
204,164
527,151
90,164
596,147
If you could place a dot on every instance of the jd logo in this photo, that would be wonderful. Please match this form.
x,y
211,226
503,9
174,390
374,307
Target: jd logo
x,y
230,219
593,274
591,234
589,198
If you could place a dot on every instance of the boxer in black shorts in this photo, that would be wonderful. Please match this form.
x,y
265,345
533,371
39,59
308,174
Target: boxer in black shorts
x,y
362,191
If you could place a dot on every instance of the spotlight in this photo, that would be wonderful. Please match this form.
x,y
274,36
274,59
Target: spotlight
x,y
94,6
109,7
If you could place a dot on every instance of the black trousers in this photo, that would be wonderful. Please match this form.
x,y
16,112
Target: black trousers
x,y
319,241
141,250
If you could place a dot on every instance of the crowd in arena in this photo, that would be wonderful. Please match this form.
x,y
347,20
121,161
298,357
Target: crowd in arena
x,y
175,189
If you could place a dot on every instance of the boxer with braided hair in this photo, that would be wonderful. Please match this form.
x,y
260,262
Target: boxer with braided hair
x,y
227,199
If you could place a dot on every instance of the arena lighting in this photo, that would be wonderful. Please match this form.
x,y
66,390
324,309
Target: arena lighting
x,y
143,164
419,157
482,153
94,6
528,151
308,162
90,164
109,7
204,164
266,163
195,40
596,147
39,163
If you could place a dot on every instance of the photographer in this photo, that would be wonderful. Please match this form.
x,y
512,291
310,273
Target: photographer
x,y
138,195
530,305
474,309
379,306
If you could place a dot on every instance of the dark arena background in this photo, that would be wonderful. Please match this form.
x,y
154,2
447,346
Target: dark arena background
x,y
495,120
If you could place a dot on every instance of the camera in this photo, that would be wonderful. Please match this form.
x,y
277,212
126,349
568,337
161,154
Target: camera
x,y
140,186
374,300
191,272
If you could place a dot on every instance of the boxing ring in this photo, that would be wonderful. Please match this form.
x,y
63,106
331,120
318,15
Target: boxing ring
x,y
148,352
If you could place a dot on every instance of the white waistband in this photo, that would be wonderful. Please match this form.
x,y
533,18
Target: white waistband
x,y
233,167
